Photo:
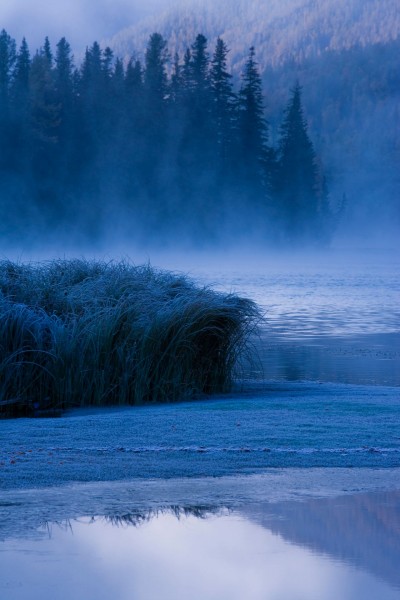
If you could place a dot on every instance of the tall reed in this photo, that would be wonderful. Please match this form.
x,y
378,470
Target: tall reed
x,y
91,333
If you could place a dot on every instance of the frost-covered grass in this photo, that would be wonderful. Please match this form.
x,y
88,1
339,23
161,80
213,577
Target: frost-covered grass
x,y
91,333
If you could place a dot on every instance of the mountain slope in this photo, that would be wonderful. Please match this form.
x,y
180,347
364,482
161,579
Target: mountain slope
x,y
345,53
280,29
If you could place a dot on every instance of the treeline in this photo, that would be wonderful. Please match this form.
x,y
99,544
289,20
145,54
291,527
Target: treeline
x,y
164,149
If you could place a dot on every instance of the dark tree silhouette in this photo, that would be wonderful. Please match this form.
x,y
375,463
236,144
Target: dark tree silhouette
x,y
224,105
7,62
254,161
297,184
173,150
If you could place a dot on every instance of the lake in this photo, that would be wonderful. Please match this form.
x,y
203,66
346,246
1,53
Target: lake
x,y
287,488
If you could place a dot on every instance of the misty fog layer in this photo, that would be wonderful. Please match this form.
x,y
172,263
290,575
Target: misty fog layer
x,y
183,140
165,156
345,55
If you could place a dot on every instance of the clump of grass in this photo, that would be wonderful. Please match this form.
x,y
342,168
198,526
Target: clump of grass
x,y
90,333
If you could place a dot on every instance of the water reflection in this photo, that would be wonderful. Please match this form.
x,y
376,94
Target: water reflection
x,y
362,530
345,548
361,360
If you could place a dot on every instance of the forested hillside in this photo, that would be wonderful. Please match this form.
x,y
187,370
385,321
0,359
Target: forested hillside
x,y
345,54
283,130
164,158
281,30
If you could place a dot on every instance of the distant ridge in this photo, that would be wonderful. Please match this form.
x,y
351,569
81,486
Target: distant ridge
x,y
281,30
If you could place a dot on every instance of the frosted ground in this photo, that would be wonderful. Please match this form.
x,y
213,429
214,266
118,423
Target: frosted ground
x,y
323,392
315,419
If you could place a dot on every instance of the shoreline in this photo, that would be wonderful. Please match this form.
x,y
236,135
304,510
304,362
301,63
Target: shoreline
x,y
24,511
270,425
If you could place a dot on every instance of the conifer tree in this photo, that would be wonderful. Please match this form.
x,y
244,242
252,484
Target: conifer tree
x,y
7,62
44,116
64,87
155,88
254,154
19,117
64,71
186,71
118,83
92,117
20,83
224,101
297,174
47,52
200,65
155,74
200,133
134,91
176,84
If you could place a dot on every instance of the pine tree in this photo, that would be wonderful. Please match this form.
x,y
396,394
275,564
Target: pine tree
x,y
224,103
44,108
64,71
47,53
93,98
19,113
186,71
176,84
200,65
7,62
64,87
198,108
134,92
155,74
155,90
297,175
254,158
20,83
44,115
118,83
133,146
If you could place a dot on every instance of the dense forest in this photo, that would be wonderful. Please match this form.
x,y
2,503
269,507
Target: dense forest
x,y
281,30
346,56
163,150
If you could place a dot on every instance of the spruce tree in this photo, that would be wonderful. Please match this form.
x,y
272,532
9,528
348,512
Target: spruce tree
x,y
254,154
134,92
199,130
176,84
297,174
155,74
93,96
224,104
19,113
20,82
7,62
155,103
44,117
64,72
186,71
155,88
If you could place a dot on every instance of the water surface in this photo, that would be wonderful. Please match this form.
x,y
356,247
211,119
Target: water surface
x,y
286,489
321,549
329,317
